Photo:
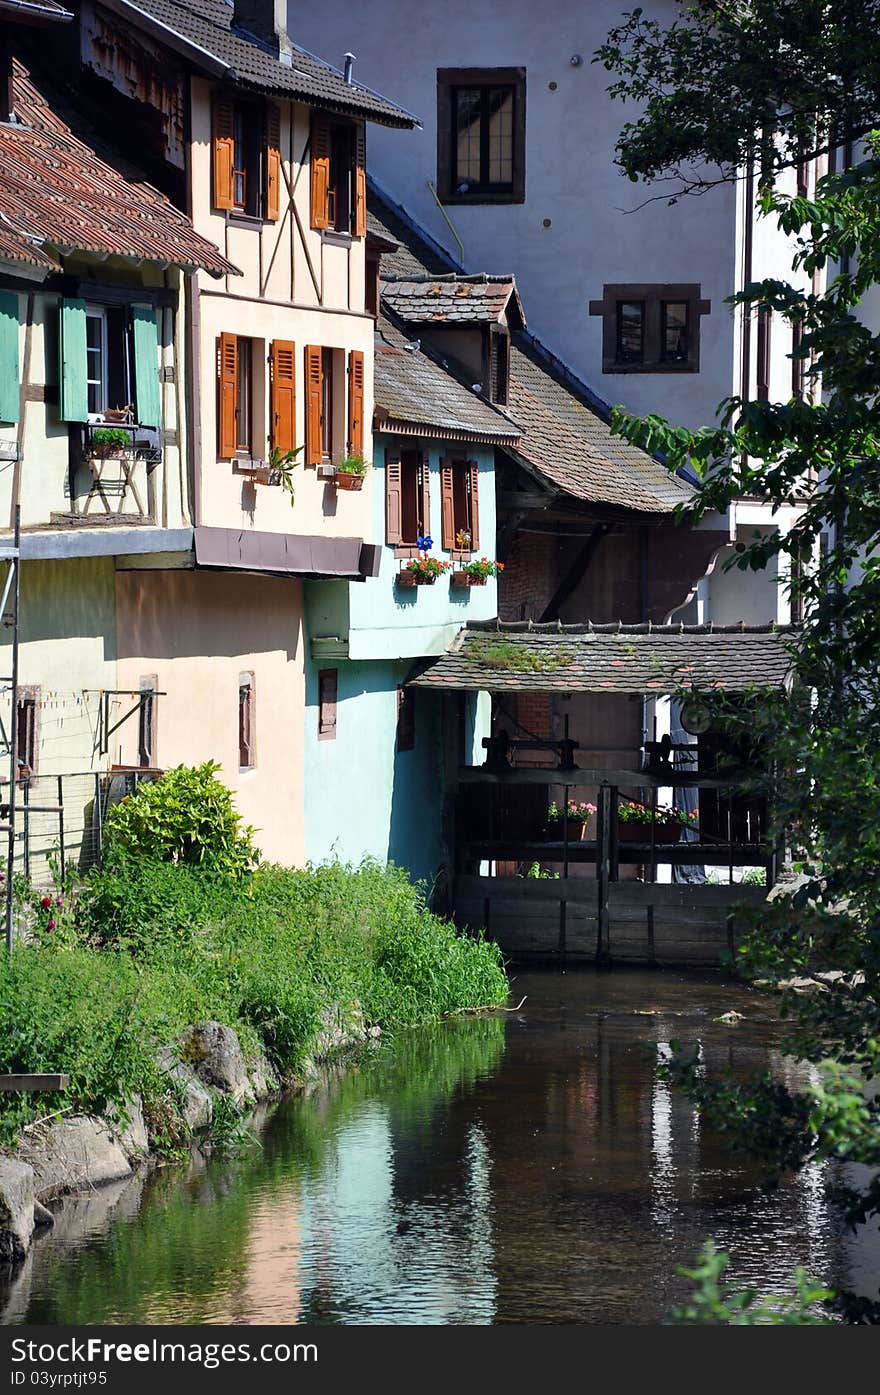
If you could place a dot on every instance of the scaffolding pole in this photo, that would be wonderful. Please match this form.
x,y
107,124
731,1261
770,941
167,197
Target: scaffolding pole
x,y
11,589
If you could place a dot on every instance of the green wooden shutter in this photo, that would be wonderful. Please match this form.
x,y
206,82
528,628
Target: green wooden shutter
x,y
9,385
146,366
73,395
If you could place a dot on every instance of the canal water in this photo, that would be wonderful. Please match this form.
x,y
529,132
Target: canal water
x,y
530,1167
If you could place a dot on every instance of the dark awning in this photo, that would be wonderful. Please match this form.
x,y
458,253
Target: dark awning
x,y
640,659
286,554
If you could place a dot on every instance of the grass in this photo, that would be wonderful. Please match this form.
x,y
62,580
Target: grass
x,y
157,946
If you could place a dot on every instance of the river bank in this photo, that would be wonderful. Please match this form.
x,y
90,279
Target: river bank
x,y
176,1002
520,1167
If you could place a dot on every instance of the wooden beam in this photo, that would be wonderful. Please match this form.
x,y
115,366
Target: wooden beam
x,y
34,1082
575,573
537,775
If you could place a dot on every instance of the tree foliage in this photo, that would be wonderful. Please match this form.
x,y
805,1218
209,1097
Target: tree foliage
x,y
731,79
820,454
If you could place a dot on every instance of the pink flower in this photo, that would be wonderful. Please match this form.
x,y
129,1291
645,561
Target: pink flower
x,y
58,901
50,925
45,902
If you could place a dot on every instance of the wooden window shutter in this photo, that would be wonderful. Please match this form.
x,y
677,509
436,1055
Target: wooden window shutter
x,y
393,496
73,391
227,392
273,163
282,370
320,163
474,491
447,506
425,493
356,402
223,135
360,181
9,366
145,337
313,404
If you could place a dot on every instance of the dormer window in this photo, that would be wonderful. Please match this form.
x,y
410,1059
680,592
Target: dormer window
x,y
338,176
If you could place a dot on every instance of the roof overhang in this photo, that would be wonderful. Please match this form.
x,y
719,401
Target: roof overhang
x,y
394,426
286,554
625,659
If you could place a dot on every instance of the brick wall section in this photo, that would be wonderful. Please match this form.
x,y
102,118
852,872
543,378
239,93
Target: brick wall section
x,y
529,577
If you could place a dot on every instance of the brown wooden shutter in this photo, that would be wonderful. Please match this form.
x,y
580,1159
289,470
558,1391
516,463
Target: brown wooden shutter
x,y
282,368
227,392
393,496
313,405
447,506
425,493
273,163
356,402
474,490
320,162
224,151
360,181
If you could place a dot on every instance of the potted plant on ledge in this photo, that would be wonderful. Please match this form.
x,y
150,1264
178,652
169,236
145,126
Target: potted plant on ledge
x,y
108,443
350,472
635,821
575,815
422,570
476,573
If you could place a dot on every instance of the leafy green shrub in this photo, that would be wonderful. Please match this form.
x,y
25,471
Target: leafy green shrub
x,y
187,816
166,944
708,1305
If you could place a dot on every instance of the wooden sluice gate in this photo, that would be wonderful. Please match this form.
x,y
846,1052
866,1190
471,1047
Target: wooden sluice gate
x,y
558,895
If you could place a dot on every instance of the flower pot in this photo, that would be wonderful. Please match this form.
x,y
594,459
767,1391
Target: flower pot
x,y
406,579
641,832
262,475
577,830
460,579
347,481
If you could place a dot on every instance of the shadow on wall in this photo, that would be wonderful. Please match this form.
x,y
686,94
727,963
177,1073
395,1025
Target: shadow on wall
x,y
416,831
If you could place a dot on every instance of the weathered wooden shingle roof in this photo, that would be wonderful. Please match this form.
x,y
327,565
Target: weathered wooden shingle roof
x,y
413,394
565,439
207,26
454,299
638,659
58,195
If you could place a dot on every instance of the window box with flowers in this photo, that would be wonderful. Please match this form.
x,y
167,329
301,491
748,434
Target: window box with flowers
x,y
476,573
572,824
351,472
638,823
422,570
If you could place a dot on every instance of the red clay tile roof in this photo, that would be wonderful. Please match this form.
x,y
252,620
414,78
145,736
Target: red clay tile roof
x,y
454,299
495,657
57,194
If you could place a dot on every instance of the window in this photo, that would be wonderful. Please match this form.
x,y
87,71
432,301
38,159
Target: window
x,y
338,175
246,751
27,730
109,359
96,361
147,722
481,135
460,509
630,332
798,365
327,691
247,158
237,399
650,328
407,500
406,719
325,403
765,316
